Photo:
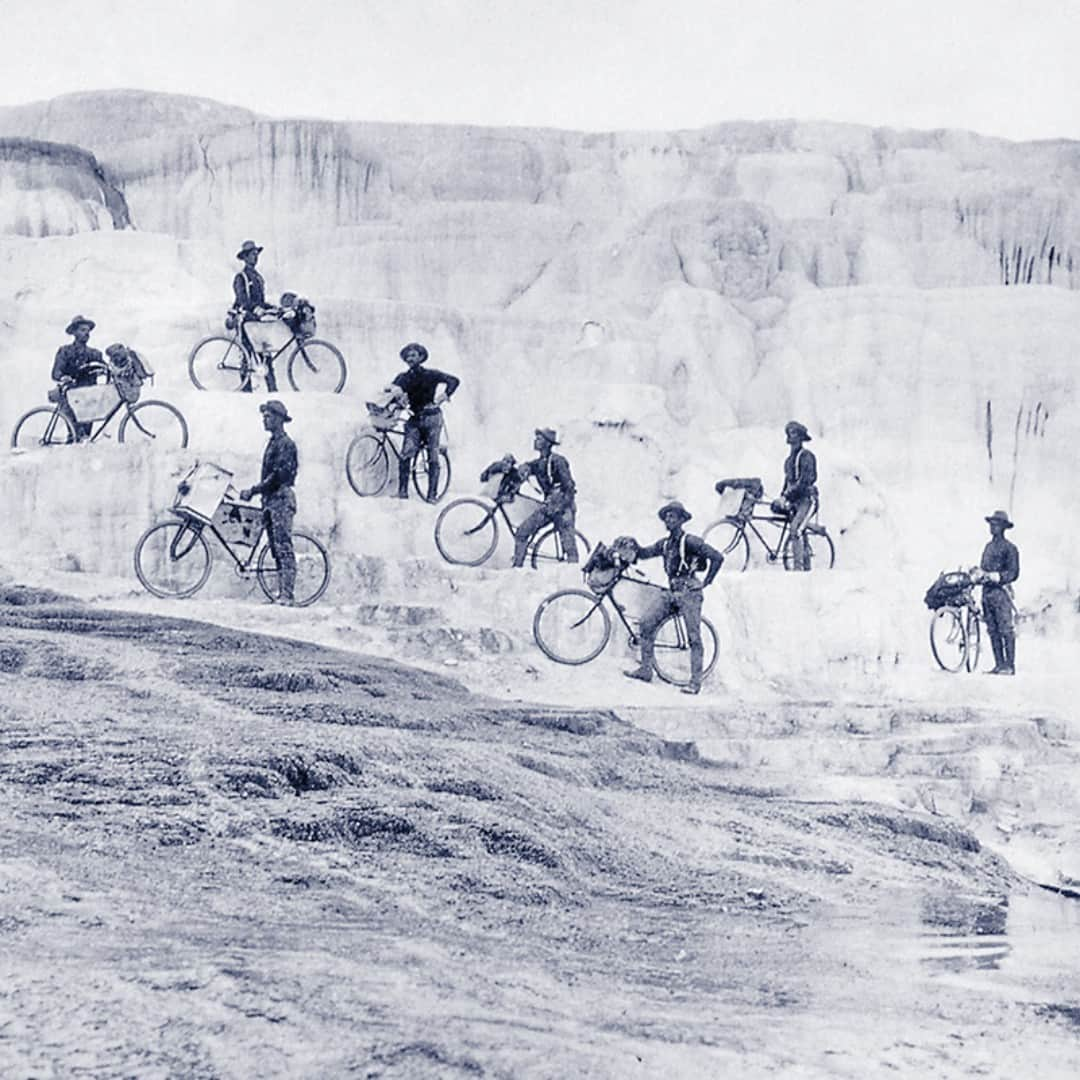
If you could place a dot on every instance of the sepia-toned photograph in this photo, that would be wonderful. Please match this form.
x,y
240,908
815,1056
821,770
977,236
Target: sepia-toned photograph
x,y
540,540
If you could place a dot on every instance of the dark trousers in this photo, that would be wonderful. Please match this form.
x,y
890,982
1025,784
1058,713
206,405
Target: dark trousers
x,y
421,431
556,508
677,600
279,509
999,615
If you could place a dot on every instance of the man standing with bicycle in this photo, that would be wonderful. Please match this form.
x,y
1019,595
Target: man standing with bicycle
x,y
426,390
552,472
684,557
279,467
998,568
799,497
76,365
249,301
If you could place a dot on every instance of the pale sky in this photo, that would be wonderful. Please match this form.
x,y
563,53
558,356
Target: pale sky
x,y
1000,67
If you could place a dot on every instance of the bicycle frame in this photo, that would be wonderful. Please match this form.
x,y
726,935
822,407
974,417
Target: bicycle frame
x,y
102,424
620,609
242,566
784,525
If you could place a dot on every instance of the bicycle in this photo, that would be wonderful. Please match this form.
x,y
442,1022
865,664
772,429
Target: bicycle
x,y
572,626
467,530
729,535
173,559
367,460
97,405
221,362
956,626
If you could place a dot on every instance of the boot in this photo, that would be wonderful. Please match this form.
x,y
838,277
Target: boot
x,y
999,654
639,673
1008,648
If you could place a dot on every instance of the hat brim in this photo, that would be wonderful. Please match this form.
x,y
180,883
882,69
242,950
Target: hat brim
x,y
547,437
684,515
73,326
277,412
1005,522
247,251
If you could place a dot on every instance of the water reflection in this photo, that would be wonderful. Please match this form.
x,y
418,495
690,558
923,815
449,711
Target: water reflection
x,y
964,932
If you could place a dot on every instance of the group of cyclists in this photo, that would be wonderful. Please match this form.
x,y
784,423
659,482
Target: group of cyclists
x,y
422,390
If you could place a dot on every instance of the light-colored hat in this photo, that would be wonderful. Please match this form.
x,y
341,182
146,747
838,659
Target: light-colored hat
x,y
79,320
549,434
677,507
1000,517
246,246
276,407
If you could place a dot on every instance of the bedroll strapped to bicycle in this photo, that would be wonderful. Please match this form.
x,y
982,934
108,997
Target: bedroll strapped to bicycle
x,y
949,590
752,489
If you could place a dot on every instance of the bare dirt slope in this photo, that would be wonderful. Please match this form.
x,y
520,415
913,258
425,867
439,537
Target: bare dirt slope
x,y
232,855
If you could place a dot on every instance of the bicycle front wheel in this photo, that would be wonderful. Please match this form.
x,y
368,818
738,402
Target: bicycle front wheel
x,y
948,638
572,626
219,363
820,552
155,422
466,532
548,548
312,571
44,426
672,657
974,641
316,365
729,538
367,465
172,559
420,471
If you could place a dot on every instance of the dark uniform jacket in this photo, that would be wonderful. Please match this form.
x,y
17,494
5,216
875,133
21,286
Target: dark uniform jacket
x,y
72,361
1003,556
249,289
552,474
683,555
420,384
800,475
279,466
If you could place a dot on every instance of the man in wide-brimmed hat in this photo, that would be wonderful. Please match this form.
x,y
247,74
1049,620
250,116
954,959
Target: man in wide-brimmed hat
x,y
249,301
685,556
997,570
426,390
76,365
799,497
279,467
551,472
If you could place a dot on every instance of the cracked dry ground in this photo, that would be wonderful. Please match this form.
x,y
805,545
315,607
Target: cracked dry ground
x,y
230,855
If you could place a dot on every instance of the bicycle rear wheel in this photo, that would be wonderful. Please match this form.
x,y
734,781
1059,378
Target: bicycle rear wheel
x,y
219,363
466,532
672,657
729,538
316,365
367,465
948,638
43,426
572,626
172,559
420,474
820,552
312,570
155,422
548,548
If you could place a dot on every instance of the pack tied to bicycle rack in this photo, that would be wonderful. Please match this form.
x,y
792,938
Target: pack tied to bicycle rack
x,y
752,489
948,590
203,490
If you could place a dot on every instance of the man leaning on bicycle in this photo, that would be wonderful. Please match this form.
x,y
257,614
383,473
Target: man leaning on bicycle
x,y
684,557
